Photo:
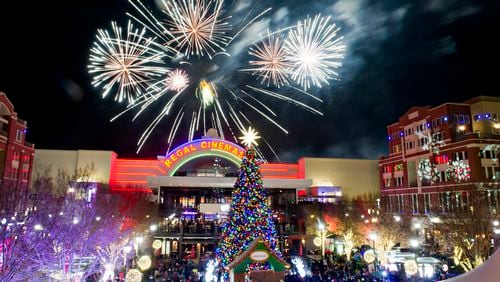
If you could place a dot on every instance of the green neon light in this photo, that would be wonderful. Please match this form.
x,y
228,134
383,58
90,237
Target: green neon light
x,y
212,152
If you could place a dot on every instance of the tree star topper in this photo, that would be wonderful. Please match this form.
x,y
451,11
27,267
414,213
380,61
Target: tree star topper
x,y
249,137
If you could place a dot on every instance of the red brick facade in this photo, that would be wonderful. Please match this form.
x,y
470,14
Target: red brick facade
x,y
16,155
406,188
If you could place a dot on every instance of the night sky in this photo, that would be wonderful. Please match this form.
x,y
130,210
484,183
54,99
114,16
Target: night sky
x,y
400,54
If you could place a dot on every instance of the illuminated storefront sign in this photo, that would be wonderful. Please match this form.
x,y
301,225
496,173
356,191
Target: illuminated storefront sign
x,y
203,147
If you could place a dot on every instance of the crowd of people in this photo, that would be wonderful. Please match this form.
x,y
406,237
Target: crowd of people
x,y
176,271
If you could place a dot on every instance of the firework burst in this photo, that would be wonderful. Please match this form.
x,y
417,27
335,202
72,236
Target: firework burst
x,y
271,64
315,51
127,63
159,74
196,26
176,80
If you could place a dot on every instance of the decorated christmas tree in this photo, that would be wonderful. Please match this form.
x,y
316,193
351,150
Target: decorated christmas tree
x,y
250,216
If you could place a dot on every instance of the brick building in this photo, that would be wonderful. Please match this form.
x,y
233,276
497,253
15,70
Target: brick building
x,y
438,155
16,155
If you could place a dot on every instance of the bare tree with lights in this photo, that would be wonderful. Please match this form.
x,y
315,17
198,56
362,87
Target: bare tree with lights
x,y
67,232
467,233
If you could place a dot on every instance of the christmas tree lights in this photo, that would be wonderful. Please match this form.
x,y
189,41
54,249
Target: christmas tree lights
x,y
249,215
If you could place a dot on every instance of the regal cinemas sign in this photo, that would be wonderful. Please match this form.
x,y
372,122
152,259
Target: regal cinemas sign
x,y
203,145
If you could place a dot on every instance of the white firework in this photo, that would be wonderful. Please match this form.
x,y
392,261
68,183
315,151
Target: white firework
x,y
196,26
126,63
176,80
314,51
270,63
191,33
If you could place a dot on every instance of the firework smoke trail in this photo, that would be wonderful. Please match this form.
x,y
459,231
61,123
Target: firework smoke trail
x,y
285,98
315,51
126,63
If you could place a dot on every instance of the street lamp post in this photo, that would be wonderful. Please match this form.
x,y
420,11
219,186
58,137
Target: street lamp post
x,y
126,250
373,236
417,226
138,241
321,228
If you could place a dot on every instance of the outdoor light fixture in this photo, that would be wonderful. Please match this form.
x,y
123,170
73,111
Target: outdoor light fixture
x,y
495,222
153,227
435,220
397,218
38,227
414,243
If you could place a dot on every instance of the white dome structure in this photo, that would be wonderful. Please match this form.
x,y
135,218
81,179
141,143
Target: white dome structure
x,y
486,272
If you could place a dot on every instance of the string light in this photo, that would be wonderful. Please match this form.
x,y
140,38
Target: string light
x,y
249,217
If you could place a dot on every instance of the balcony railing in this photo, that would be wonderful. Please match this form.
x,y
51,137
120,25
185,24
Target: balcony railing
x,y
28,144
211,230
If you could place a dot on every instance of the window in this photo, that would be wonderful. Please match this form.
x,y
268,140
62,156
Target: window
x,y
445,177
489,172
14,172
387,169
492,198
487,154
427,203
467,119
387,182
461,119
441,159
398,167
24,174
15,161
25,168
399,181
444,201
459,156
414,201
458,201
19,136
401,206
